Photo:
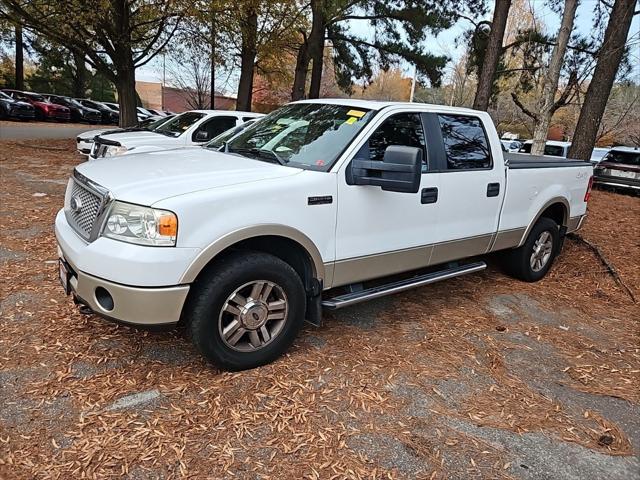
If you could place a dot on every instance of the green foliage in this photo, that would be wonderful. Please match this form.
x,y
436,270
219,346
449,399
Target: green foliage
x,y
398,29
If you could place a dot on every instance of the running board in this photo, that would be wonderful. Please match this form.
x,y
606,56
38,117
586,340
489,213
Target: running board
x,y
348,299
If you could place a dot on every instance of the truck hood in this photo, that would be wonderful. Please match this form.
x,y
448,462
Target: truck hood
x,y
147,178
135,139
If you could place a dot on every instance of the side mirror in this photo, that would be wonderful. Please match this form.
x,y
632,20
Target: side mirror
x,y
202,136
399,171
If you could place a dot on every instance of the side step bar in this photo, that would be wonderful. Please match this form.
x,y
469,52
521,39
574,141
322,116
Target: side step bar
x,y
352,298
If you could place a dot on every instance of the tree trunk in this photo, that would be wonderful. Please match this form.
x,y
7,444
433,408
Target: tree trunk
x,y
247,61
80,77
316,46
604,75
300,76
545,108
492,55
19,59
127,97
213,59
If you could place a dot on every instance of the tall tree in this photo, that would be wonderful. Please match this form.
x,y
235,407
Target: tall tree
x,y
248,52
609,58
115,36
492,55
552,77
19,58
397,32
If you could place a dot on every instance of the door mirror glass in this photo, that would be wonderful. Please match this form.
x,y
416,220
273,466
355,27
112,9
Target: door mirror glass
x,y
399,171
201,136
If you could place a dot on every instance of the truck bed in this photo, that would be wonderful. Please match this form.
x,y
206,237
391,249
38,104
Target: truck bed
x,y
525,160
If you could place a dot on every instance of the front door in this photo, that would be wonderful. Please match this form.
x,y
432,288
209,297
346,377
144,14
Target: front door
x,y
379,232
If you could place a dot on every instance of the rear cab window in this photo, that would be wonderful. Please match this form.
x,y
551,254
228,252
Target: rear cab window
x,y
465,141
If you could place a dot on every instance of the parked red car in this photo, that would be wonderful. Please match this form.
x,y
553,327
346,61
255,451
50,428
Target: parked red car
x,y
45,110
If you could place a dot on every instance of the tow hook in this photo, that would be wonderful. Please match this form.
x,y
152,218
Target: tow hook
x,y
82,308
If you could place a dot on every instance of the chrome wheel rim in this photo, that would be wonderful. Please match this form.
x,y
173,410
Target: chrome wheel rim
x,y
542,249
253,316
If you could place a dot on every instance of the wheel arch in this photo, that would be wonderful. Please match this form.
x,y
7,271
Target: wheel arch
x,y
286,243
556,209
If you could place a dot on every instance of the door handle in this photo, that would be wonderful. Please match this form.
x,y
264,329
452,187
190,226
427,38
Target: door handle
x,y
429,195
493,190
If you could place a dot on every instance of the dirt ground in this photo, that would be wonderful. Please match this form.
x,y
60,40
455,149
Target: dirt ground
x,y
477,377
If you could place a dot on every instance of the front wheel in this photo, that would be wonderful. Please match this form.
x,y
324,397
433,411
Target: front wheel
x,y
534,258
246,310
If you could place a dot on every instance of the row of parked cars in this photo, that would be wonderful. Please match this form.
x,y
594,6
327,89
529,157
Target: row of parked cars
x,y
20,105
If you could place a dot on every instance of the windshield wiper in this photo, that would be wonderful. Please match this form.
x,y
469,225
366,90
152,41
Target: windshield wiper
x,y
260,154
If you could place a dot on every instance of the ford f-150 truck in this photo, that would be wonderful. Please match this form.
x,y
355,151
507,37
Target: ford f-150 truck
x,y
321,204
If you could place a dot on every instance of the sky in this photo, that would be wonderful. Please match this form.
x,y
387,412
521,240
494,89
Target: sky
x,y
445,42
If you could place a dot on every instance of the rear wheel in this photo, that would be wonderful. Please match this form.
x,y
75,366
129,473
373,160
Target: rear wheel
x,y
246,310
534,258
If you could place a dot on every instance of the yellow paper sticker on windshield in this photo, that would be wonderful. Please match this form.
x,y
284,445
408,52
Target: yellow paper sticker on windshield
x,y
351,120
356,113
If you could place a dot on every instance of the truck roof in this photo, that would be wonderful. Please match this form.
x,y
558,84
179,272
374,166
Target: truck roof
x,y
379,105
626,149
555,143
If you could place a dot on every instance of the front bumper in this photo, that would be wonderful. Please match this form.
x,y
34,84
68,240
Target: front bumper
x,y
124,303
143,282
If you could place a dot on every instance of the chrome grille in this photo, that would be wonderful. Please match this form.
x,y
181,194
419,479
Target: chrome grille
x,y
82,207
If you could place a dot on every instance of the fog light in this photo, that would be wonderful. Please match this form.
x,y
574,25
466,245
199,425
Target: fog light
x,y
104,298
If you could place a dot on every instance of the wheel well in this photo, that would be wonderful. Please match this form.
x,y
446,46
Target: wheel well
x,y
556,212
284,248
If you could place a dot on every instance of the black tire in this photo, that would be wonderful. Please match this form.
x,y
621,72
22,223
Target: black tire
x,y
517,262
210,293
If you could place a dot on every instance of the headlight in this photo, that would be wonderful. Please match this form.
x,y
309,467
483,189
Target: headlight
x,y
113,150
141,225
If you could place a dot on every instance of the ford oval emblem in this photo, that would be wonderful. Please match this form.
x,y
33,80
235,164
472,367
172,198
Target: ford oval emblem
x,y
75,204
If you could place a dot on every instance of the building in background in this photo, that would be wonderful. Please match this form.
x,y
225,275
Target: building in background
x,y
154,95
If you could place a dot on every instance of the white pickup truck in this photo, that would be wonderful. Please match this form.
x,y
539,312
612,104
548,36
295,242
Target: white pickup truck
x,y
301,211
194,127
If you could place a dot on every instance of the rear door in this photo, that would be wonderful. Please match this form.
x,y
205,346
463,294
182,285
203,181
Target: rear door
x,y
472,186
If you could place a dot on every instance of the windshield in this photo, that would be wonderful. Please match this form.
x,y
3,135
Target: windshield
x,y
5,96
626,158
306,135
179,124
220,140
36,97
153,123
74,102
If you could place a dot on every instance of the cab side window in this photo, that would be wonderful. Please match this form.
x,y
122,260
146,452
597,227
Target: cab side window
x,y
465,142
212,128
404,129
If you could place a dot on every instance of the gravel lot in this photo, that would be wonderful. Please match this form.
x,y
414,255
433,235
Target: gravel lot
x,y
478,377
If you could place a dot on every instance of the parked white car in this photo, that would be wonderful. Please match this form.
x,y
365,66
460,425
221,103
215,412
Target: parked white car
x,y
598,154
511,146
84,141
552,148
190,128
242,246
